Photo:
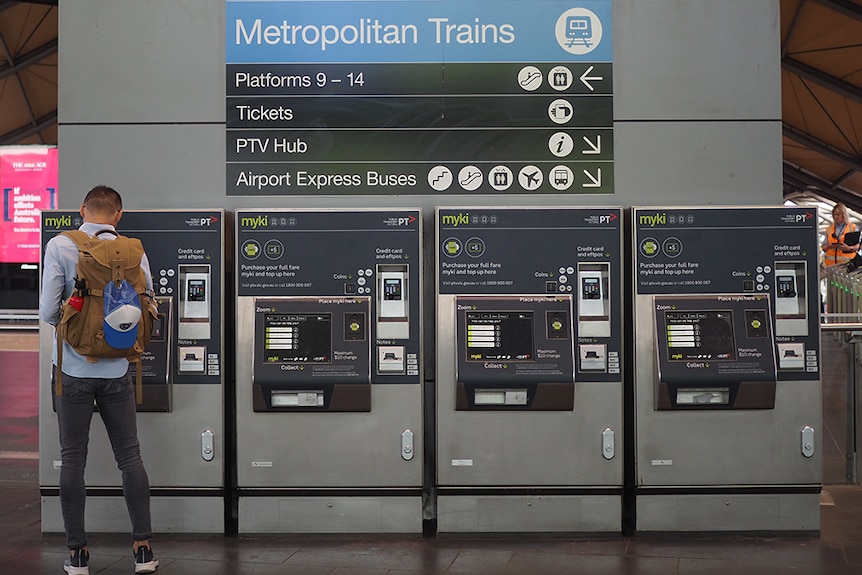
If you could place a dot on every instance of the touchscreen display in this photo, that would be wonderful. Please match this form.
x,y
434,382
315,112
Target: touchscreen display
x,y
297,338
500,336
700,335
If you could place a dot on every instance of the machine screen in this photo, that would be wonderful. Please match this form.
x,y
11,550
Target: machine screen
x,y
197,290
700,335
298,338
786,286
392,289
506,335
590,288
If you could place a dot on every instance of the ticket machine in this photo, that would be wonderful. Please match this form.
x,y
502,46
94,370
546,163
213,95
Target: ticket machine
x,y
727,374
529,383
182,378
329,388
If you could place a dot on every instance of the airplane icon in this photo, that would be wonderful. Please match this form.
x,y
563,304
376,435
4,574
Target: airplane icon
x,y
530,177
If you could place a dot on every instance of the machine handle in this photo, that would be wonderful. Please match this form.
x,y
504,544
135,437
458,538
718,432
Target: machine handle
x,y
207,445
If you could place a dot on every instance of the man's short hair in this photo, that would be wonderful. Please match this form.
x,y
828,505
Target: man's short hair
x,y
103,200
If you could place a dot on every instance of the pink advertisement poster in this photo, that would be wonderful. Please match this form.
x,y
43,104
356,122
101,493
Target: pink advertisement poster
x,y
28,182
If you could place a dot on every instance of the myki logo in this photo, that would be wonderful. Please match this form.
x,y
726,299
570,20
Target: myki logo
x,y
201,222
58,222
455,220
253,222
652,220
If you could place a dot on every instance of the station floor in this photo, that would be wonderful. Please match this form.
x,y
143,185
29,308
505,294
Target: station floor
x,y
24,550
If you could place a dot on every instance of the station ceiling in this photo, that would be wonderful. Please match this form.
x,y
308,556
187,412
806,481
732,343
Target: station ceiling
x,y
821,85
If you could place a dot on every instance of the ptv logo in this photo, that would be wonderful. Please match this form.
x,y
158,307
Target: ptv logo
x,y
601,219
202,222
399,221
797,218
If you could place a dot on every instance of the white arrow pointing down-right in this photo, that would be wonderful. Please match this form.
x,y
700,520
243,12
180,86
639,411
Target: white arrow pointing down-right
x,y
594,148
596,180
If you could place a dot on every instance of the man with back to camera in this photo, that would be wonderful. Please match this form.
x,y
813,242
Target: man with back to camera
x,y
108,383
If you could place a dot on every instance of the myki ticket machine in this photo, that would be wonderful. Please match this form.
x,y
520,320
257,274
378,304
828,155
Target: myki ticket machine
x,y
727,369
329,385
180,420
529,382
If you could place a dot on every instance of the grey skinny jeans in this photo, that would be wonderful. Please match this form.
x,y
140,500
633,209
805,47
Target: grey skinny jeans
x,y
116,401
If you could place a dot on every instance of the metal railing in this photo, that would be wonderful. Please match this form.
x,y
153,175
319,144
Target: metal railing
x,y
842,318
19,319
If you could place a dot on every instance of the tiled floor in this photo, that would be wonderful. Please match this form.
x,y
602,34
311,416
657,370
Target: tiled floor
x,y
25,551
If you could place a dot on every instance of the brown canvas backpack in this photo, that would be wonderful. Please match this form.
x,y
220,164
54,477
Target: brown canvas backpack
x,y
82,316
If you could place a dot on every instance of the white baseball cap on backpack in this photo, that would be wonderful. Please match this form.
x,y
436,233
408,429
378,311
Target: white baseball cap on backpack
x,y
122,314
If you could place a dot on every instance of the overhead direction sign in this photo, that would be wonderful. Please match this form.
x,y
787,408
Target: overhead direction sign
x,y
419,97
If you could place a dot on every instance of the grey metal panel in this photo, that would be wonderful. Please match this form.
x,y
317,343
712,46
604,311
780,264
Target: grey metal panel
x,y
323,449
684,59
498,448
141,61
698,163
170,442
169,515
330,515
529,514
153,167
721,447
49,440
785,512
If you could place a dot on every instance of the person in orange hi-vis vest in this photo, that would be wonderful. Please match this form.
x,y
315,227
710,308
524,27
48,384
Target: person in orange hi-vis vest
x,y
835,249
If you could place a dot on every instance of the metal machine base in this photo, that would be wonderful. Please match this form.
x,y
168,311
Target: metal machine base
x,y
761,512
169,514
337,514
529,514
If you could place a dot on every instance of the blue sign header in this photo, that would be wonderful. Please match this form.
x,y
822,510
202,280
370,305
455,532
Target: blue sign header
x,y
398,31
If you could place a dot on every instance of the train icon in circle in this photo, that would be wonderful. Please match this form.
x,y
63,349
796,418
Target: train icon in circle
x,y
578,31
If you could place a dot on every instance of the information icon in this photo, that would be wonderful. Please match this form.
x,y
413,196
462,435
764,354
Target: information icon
x,y
561,144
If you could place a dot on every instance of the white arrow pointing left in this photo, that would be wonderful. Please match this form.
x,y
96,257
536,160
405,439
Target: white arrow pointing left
x,y
586,79
597,180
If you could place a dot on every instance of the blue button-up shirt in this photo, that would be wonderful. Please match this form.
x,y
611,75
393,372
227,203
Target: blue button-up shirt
x,y
58,282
